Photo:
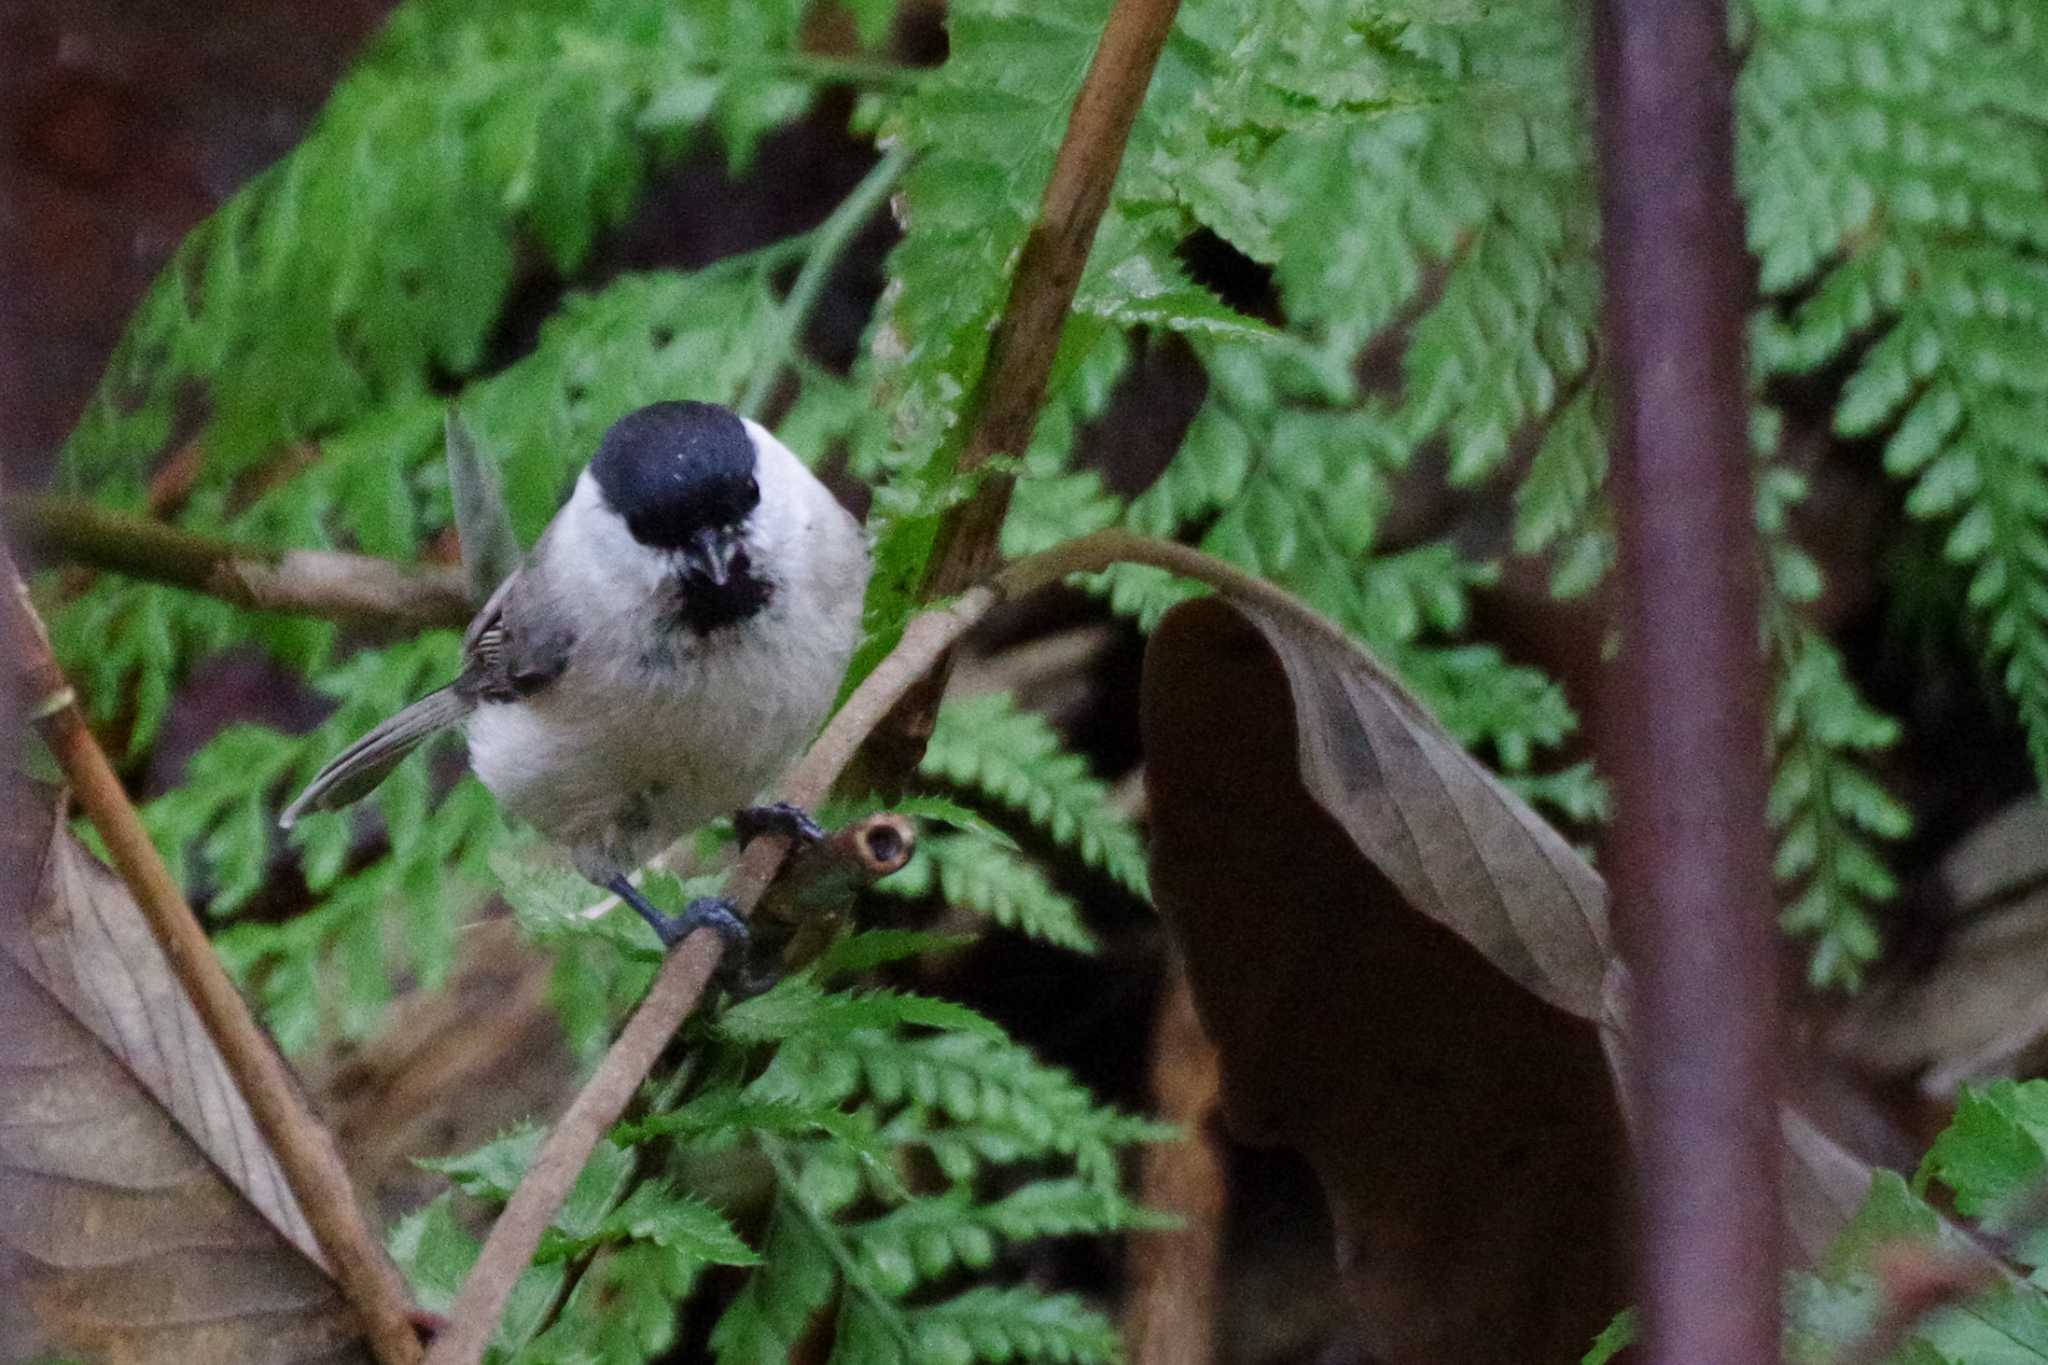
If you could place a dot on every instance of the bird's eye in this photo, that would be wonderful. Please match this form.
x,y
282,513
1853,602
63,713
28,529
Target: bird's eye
x,y
753,488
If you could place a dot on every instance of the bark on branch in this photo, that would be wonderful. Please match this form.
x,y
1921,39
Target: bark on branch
x,y
326,583
1003,411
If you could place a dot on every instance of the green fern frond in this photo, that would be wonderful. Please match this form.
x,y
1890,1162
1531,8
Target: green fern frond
x,y
986,128
382,250
772,1312
837,1103
1897,169
656,1213
637,1248
926,1239
121,642
987,744
970,1099
797,1008
872,1264
1828,810
872,948
436,1252
1559,506
1013,1324
1483,188
217,831
974,872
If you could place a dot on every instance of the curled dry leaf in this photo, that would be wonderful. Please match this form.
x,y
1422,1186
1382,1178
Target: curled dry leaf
x,y
1407,972
142,1218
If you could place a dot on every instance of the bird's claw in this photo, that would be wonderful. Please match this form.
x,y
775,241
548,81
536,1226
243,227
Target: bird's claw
x,y
736,974
778,817
715,913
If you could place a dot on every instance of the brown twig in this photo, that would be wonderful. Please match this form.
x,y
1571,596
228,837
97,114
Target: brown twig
x,y
1003,410
325,583
1686,744
1171,1318
304,1150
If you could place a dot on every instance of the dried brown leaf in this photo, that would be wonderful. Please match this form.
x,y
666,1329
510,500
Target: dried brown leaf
x,y
142,1218
1409,977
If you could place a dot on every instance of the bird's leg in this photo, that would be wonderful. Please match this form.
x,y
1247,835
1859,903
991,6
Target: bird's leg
x,y
735,973
778,817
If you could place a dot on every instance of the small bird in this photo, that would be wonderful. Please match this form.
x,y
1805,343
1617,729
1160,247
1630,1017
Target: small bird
x,y
661,655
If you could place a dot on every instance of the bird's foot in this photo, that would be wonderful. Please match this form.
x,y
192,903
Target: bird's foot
x,y
736,974
779,817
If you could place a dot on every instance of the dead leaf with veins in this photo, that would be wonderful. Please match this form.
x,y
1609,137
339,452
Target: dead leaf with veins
x,y
142,1217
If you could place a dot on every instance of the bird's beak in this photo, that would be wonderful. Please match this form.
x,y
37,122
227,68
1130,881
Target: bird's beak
x,y
710,555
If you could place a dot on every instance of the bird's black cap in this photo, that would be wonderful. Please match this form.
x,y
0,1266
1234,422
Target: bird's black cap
x,y
671,470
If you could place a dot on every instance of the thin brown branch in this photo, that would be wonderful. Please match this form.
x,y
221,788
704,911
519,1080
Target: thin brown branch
x,y
1174,1275
326,583
1003,411
304,1150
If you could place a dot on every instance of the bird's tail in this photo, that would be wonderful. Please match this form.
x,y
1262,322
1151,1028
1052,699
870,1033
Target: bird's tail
x,y
356,772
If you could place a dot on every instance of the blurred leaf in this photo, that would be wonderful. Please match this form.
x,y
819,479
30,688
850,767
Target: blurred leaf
x,y
144,1218
436,1253
1614,1338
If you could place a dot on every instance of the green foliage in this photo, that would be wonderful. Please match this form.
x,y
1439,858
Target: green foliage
x,y
1826,806
382,249
1989,1162
1016,757
1996,1147
830,1090
1023,1151
1895,159
1614,1338
1297,121
610,1268
974,872
1419,185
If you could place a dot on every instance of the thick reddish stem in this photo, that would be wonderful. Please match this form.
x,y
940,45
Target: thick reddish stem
x,y
1690,849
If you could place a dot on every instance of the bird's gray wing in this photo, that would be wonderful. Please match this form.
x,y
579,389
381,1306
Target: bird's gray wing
x,y
518,644
513,649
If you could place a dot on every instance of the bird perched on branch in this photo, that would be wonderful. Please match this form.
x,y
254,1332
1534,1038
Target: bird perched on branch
x,y
661,655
